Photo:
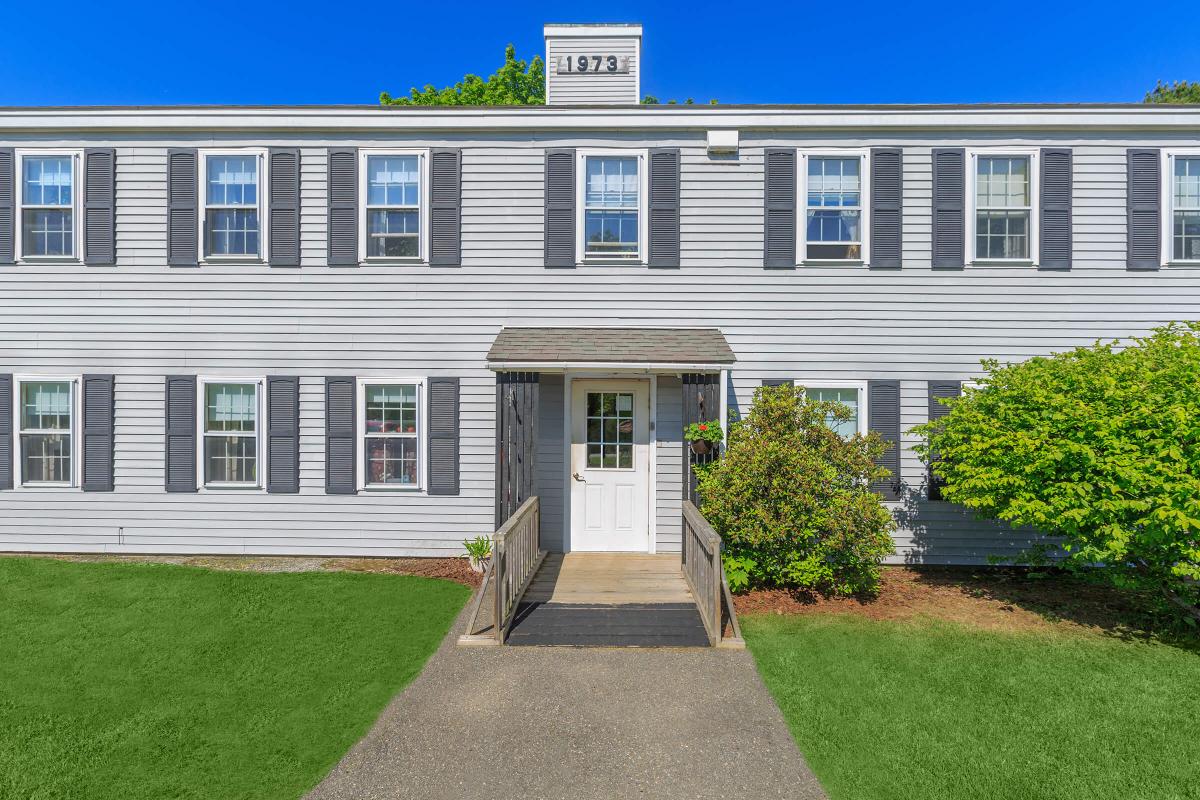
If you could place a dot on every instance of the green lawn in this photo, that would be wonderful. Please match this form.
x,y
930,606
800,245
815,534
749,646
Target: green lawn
x,y
934,710
156,681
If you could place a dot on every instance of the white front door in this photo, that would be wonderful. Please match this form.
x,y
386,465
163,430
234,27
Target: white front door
x,y
610,465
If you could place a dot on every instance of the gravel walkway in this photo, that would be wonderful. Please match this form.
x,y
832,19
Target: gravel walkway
x,y
536,723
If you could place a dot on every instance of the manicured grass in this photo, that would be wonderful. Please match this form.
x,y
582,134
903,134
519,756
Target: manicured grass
x,y
156,681
928,710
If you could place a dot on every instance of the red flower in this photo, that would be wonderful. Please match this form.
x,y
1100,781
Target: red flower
x,y
703,427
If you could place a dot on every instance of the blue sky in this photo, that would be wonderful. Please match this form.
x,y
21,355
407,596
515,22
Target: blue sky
x,y
88,53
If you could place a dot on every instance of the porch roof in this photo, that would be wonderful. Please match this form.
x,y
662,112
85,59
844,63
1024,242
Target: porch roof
x,y
700,349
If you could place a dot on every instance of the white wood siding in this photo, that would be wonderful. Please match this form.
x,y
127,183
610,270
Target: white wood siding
x,y
142,320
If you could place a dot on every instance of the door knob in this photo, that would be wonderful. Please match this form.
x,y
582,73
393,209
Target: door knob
x,y
577,476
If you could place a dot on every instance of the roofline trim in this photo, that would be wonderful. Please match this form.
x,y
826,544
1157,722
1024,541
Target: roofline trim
x,y
616,366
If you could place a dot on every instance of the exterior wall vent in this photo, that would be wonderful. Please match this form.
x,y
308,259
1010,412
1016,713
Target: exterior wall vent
x,y
593,64
721,143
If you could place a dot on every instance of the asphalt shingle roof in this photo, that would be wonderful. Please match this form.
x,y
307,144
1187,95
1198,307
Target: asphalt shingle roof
x,y
615,345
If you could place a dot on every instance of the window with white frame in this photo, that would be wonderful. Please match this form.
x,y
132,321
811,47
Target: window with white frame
x,y
849,394
612,213
391,439
233,214
1003,196
46,428
1184,198
834,225
393,193
230,427
49,200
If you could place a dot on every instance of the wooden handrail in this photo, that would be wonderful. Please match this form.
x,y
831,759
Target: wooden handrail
x,y
516,555
705,575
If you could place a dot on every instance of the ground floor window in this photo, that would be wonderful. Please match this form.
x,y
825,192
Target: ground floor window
x,y
391,438
849,394
230,421
47,431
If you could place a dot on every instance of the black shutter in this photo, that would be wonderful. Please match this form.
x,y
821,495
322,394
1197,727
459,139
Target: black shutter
x,y
883,417
283,434
8,206
1144,201
6,431
443,435
887,188
779,227
445,210
560,208
664,207
183,197
949,208
97,433
937,391
283,207
1054,239
99,206
343,207
181,433
778,382
340,459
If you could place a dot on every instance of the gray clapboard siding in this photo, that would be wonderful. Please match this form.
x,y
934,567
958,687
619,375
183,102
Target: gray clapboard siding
x,y
668,466
592,88
142,321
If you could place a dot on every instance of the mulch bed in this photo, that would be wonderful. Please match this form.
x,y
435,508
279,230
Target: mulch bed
x,y
1011,599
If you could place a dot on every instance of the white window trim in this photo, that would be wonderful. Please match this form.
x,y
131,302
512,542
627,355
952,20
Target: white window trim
x,y
1167,187
75,432
360,427
423,206
260,433
76,205
1035,210
264,240
581,157
841,383
864,156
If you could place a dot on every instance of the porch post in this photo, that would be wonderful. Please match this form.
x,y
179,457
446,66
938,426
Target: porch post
x,y
701,403
516,441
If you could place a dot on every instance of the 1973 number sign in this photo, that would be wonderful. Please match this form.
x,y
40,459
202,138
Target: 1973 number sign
x,y
581,64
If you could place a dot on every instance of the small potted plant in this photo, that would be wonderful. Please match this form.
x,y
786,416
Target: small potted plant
x,y
703,437
479,552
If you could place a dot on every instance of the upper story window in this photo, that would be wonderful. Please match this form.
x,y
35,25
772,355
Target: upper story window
x,y
834,225
612,206
1003,194
391,423
393,218
48,204
229,421
46,414
1184,198
233,218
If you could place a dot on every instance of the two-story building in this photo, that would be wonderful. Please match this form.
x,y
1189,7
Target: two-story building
x,y
376,330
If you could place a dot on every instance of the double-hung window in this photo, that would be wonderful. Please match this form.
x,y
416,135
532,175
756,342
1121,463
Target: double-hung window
x,y
1003,193
393,218
611,202
392,433
233,222
1182,191
850,394
230,427
49,201
46,419
834,222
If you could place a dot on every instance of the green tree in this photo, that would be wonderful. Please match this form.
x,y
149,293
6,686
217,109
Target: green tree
x,y
792,501
1099,446
516,83
1178,92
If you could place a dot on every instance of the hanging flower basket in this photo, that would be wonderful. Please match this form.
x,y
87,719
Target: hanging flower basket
x,y
701,447
704,437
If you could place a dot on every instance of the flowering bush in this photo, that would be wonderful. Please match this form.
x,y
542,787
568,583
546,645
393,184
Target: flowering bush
x,y
704,432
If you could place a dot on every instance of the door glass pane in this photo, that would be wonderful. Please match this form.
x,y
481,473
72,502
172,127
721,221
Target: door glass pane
x,y
609,430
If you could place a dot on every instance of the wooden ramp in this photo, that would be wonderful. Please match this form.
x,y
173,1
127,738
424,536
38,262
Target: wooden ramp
x,y
609,600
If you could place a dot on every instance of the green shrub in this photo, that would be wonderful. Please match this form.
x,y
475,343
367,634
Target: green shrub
x,y
1099,446
791,498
